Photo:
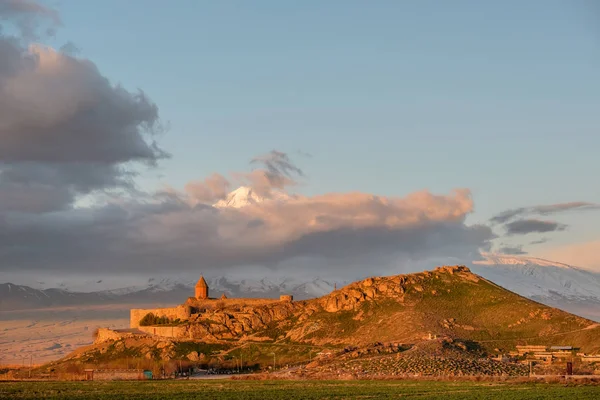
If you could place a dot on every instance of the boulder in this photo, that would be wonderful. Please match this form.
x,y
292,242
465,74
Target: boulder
x,y
193,356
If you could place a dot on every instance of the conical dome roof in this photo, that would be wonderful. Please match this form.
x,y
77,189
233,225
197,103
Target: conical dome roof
x,y
201,282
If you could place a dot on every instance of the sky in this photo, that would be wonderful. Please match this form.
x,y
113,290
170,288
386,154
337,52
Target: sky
x,y
383,99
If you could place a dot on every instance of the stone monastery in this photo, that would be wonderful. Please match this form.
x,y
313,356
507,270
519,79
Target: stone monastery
x,y
191,310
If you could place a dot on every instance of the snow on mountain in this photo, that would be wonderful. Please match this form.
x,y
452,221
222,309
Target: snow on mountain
x,y
269,287
506,259
244,196
556,284
530,276
315,288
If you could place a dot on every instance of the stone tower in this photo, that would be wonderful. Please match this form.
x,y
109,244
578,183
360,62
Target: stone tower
x,y
201,289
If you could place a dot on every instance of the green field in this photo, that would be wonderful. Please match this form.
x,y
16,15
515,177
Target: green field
x,y
265,390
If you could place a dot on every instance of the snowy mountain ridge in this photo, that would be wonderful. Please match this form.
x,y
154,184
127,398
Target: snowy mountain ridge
x,y
245,196
556,284
507,259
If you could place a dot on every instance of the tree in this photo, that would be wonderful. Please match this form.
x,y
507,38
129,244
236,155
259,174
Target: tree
x,y
151,319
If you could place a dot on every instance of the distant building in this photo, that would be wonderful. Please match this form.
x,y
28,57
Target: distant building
x,y
530,349
286,297
543,355
590,358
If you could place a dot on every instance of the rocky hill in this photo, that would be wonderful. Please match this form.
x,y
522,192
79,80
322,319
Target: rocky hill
x,y
450,303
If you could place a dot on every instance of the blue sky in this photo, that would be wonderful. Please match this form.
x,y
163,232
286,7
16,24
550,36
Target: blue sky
x,y
388,97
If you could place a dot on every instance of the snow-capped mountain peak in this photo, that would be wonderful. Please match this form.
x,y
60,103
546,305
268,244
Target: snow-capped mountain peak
x,y
245,196
507,259
571,288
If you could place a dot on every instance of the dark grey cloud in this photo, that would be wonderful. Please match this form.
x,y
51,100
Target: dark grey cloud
x,y
276,171
65,130
525,226
508,215
512,250
277,164
59,109
26,15
539,241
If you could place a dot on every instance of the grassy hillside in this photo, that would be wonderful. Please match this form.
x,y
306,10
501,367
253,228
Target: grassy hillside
x,y
449,302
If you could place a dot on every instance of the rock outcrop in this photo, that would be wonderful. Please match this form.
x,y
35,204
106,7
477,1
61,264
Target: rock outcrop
x,y
231,322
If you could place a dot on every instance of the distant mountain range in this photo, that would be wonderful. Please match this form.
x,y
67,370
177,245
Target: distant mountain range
x,y
555,284
158,291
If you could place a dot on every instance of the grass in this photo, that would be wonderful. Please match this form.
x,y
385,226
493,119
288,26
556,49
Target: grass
x,y
266,390
261,354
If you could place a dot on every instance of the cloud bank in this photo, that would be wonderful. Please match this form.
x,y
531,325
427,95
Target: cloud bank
x,y
168,232
65,130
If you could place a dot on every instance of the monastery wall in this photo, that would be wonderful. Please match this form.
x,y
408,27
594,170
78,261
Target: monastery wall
x,y
181,312
106,334
211,304
178,332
